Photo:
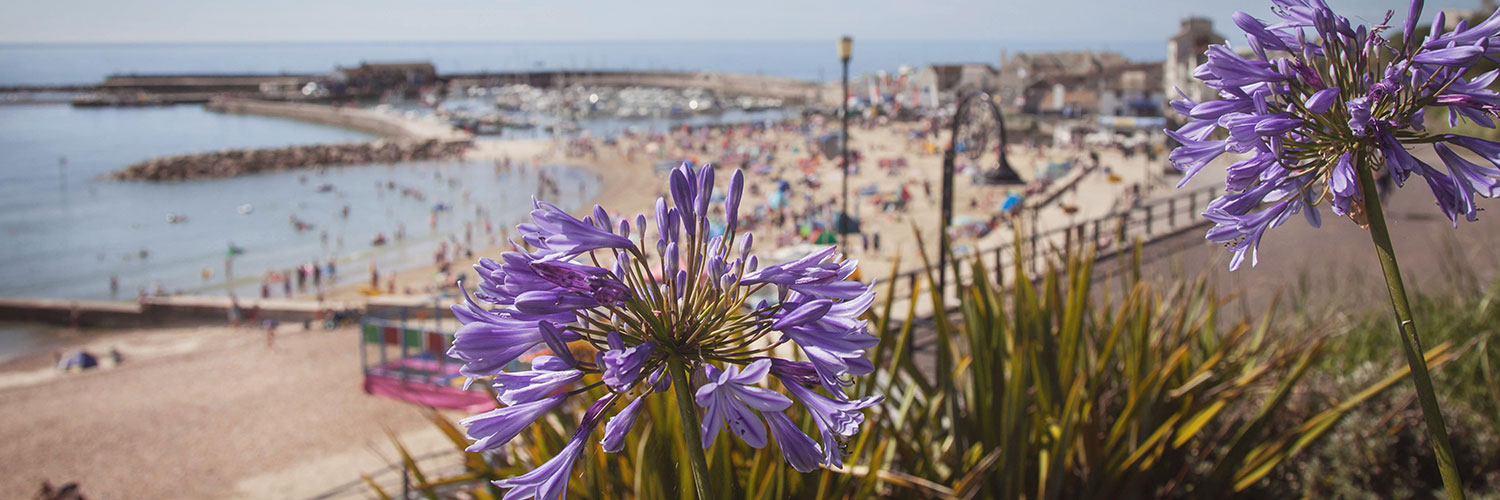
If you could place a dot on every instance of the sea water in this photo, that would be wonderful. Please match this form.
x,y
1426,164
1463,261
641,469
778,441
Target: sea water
x,y
67,230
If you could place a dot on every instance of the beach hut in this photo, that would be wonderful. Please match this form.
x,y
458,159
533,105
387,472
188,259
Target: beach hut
x,y
408,360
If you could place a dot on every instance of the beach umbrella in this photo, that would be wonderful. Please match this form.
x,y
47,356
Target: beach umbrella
x,y
1012,201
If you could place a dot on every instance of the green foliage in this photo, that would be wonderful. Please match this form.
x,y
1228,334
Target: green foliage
x,y
1045,389
1057,394
1469,315
1382,451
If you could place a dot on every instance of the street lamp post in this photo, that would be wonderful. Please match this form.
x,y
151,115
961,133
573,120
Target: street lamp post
x,y
846,50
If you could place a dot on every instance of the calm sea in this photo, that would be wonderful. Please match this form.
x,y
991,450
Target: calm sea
x,y
66,231
37,64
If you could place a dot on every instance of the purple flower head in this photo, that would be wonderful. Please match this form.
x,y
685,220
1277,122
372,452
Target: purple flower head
x,y
557,232
729,396
1193,155
1232,70
732,200
587,280
799,449
705,192
487,344
815,274
1413,13
622,365
554,301
619,426
547,375
557,341
1469,179
550,480
1321,101
496,427
1465,36
1344,186
663,235
1306,74
1450,57
800,372
832,336
1212,110
1361,110
1256,31
680,304
836,420
1242,233
683,194
1359,115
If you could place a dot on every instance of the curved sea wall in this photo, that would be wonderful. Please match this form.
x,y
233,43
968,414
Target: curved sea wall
x,y
404,140
230,163
364,120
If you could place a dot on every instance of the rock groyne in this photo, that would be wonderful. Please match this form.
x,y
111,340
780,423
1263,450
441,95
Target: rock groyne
x,y
404,140
230,163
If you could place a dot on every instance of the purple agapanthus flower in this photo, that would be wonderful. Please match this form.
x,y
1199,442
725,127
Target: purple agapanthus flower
x,y
683,298
730,395
1313,112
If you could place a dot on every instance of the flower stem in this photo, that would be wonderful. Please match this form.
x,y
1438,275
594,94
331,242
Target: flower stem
x,y
688,411
1436,430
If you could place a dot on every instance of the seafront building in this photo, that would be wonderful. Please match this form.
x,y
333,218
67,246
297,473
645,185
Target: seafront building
x,y
1185,51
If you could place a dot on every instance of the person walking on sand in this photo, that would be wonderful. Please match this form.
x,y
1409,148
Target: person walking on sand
x,y
270,325
234,311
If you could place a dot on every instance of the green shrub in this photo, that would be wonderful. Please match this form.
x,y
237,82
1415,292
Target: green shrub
x,y
1043,390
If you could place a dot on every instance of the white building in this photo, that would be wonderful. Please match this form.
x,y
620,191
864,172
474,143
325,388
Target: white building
x,y
1132,90
1185,51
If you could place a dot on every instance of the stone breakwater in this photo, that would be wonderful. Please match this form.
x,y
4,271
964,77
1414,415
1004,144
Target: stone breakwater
x,y
235,162
405,140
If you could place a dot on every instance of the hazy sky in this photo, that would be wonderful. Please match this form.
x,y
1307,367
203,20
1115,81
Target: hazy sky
x,y
472,20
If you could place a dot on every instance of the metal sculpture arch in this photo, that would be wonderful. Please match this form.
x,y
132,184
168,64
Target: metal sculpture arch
x,y
974,120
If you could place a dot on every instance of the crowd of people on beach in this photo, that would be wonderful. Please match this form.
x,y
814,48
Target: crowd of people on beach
x,y
794,195
790,165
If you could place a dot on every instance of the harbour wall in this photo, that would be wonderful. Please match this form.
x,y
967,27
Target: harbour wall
x,y
403,140
722,83
364,120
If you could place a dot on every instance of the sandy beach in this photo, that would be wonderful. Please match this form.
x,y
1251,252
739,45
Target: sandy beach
x,y
629,182
233,418
228,417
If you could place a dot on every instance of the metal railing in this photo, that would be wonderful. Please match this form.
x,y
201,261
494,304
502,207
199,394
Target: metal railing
x,y
1110,233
